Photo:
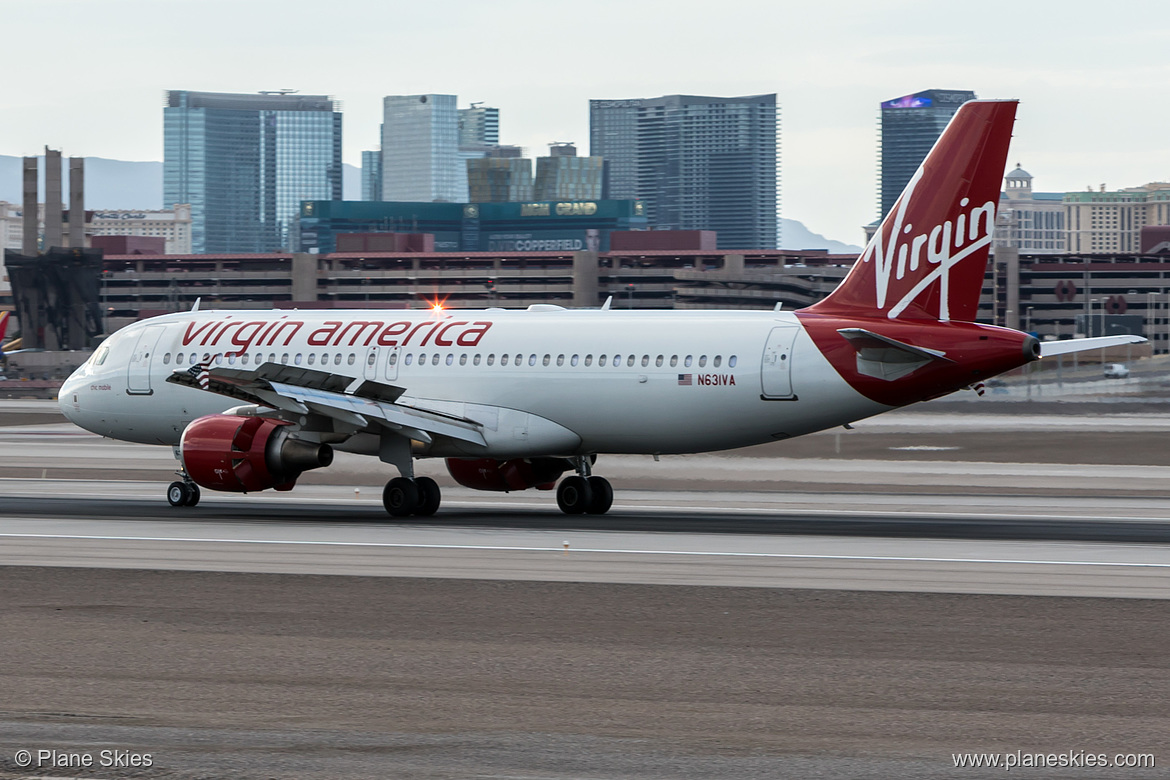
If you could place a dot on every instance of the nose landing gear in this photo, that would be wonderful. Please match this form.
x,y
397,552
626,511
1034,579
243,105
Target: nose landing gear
x,y
184,493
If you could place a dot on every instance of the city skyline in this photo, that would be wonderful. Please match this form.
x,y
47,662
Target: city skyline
x,y
831,66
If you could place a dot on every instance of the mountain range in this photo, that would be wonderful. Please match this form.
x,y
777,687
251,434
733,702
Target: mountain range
x,y
121,184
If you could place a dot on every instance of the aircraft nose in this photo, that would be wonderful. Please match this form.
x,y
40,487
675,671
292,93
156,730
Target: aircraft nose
x,y
69,397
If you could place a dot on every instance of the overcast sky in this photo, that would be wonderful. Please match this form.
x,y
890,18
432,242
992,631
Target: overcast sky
x,y
1093,78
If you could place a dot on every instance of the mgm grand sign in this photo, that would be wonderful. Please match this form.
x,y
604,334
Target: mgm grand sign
x,y
573,209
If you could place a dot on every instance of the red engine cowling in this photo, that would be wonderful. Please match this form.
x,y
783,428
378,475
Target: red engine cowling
x,y
243,454
508,475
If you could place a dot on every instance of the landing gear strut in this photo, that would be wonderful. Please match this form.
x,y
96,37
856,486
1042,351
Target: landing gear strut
x,y
184,492
583,493
403,497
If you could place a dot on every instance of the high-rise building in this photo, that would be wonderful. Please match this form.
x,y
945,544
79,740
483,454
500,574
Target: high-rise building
x,y
562,175
479,126
1101,221
1030,222
372,175
698,163
910,126
420,150
245,163
504,175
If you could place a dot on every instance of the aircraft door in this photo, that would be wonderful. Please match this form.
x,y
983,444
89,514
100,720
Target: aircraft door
x,y
776,367
138,371
373,355
392,358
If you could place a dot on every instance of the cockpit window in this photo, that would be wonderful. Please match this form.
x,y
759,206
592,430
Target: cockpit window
x,y
102,354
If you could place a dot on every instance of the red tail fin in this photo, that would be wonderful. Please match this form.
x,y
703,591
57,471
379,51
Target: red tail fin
x,y
3,325
927,259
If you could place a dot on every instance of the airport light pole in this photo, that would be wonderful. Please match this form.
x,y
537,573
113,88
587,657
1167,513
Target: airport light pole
x,y
1152,316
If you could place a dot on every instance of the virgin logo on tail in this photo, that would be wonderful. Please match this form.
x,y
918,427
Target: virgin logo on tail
x,y
927,260
971,232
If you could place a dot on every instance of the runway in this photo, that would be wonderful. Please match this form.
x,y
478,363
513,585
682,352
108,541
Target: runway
x,y
652,539
855,607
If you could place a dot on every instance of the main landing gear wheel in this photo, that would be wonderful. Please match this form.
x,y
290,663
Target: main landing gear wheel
x,y
400,497
574,496
602,498
183,494
192,495
403,497
177,494
429,496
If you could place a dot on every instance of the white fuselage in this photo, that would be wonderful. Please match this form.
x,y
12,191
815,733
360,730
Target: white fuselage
x,y
545,381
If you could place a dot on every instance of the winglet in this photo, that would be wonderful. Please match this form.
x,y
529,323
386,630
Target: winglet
x,y
608,301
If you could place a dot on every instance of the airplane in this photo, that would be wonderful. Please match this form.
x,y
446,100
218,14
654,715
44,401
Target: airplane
x,y
4,319
517,399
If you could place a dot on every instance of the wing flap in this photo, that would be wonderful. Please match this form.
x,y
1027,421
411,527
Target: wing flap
x,y
302,390
398,416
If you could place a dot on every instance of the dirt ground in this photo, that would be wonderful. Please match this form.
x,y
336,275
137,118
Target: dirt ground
x,y
265,676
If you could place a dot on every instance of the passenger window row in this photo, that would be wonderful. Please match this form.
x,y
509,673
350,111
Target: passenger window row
x,y
243,360
615,361
450,359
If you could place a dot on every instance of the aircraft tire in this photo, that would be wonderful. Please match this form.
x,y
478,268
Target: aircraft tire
x,y
400,497
429,496
574,495
602,498
193,495
178,494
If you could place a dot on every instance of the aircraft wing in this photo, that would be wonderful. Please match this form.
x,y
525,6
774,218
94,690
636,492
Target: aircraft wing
x,y
361,403
1068,346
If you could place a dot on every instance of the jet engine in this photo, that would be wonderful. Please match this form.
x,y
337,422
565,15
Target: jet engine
x,y
243,454
508,475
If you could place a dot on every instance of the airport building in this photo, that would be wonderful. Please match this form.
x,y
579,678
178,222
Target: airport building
x,y
244,163
698,163
909,127
1055,296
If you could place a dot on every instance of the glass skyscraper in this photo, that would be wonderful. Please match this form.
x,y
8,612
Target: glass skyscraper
x,y
372,175
245,163
910,126
562,175
479,126
420,150
698,163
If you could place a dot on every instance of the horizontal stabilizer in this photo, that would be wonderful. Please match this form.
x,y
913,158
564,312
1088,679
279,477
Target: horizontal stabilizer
x,y
882,357
1068,346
